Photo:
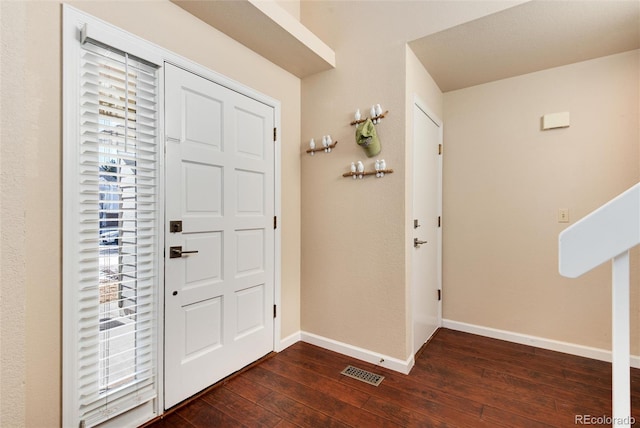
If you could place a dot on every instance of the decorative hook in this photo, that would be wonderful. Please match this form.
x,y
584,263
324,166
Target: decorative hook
x,y
357,170
327,145
376,115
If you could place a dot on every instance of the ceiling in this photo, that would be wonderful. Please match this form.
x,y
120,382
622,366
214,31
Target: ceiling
x,y
532,36
461,43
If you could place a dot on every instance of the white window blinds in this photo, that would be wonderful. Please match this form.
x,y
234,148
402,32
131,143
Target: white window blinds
x,y
115,278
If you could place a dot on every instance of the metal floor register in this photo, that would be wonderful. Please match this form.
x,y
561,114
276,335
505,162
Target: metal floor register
x,y
363,375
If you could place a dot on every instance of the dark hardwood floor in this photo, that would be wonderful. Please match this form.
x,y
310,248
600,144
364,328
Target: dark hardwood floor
x,y
459,380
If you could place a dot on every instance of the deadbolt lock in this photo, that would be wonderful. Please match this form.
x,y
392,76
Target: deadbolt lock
x,y
175,226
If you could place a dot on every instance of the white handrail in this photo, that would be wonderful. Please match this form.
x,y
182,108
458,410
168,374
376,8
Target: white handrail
x,y
608,233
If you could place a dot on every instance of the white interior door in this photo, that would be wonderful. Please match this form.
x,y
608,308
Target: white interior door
x,y
219,291
427,191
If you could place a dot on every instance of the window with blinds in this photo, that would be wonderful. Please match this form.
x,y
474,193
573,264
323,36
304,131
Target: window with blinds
x,y
115,278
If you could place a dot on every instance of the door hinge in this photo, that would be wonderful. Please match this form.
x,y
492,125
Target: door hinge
x,y
439,221
274,311
439,295
439,149
275,222
275,134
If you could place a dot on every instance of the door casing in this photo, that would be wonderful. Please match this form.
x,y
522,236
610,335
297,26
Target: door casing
x,y
199,70
218,294
419,107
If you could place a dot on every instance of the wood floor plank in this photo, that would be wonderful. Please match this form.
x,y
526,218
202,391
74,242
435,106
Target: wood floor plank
x,y
447,392
523,386
547,386
286,424
325,362
173,420
495,416
531,405
317,381
241,409
317,399
201,414
247,389
297,413
487,391
401,415
309,396
459,380
467,414
503,358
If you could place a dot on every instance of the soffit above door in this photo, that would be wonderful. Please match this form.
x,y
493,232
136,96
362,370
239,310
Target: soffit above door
x,y
267,29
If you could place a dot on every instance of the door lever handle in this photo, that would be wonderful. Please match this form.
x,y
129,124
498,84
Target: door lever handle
x,y
176,252
417,242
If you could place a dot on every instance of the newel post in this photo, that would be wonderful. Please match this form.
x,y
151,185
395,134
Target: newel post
x,y
620,350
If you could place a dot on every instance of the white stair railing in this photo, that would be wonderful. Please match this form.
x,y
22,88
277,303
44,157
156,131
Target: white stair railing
x,y
608,233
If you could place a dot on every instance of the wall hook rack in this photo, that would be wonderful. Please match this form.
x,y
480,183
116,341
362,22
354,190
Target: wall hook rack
x,y
322,149
357,170
365,173
376,118
376,115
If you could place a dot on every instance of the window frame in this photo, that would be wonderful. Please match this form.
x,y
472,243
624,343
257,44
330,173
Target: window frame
x,y
77,27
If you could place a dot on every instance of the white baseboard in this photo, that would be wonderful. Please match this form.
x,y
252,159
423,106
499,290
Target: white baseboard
x,y
288,341
538,342
359,353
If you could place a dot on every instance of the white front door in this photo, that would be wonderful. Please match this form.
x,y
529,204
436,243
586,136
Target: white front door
x,y
219,290
426,281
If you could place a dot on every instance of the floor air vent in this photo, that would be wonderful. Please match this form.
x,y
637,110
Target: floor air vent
x,y
363,375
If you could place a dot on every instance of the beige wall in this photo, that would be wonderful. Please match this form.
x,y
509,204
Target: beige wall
x,y
353,231
504,181
30,172
30,216
12,233
354,244
354,262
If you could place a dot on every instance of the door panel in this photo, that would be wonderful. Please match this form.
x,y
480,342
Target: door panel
x,y
250,310
250,192
426,209
208,266
250,252
249,134
199,200
207,317
220,184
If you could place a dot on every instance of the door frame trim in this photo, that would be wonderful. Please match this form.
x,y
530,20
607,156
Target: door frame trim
x,y
419,104
228,85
